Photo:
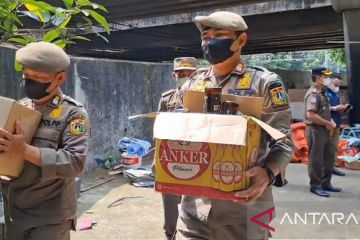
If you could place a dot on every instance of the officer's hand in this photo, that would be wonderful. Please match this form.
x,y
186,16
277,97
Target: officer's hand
x,y
330,126
340,108
13,144
259,182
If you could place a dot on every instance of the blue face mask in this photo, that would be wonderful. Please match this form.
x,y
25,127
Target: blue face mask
x,y
217,50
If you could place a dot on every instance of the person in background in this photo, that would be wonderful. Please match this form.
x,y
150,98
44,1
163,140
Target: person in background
x,y
336,110
318,133
170,101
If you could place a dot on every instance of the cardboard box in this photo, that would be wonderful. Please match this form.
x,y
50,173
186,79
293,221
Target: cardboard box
x,y
207,154
251,106
353,165
11,111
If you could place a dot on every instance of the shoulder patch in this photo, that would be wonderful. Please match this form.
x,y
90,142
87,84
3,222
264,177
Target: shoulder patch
x,y
313,100
277,94
78,126
167,93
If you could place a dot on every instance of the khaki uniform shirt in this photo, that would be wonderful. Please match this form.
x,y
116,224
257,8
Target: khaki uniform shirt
x,y
257,82
47,194
317,101
170,100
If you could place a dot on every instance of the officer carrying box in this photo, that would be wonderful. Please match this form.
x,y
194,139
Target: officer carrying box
x,y
41,203
223,35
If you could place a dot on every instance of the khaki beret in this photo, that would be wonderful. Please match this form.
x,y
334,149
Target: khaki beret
x,y
43,57
183,63
222,20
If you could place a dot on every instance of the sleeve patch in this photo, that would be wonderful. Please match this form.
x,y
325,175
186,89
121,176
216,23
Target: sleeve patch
x,y
313,100
78,126
278,94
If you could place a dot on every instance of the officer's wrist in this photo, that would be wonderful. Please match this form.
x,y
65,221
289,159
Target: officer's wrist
x,y
270,175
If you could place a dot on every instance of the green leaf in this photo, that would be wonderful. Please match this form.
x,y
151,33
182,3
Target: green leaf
x,y
85,12
103,37
15,18
31,14
80,38
98,6
69,3
100,19
43,6
66,21
61,43
21,41
83,3
51,35
18,66
58,19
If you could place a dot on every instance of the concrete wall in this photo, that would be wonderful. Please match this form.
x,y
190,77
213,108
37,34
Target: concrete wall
x,y
111,90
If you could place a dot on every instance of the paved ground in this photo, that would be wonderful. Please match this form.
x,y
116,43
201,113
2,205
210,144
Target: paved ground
x,y
138,215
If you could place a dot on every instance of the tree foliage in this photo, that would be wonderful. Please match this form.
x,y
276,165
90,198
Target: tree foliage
x,y
338,56
304,60
25,21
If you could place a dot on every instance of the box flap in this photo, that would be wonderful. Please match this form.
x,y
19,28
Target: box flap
x,y
29,120
251,106
195,127
144,115
6,105
212,128
274,133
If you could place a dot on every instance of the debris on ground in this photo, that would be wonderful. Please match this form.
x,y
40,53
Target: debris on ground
x,y
133,146
98,184
119,201
84,224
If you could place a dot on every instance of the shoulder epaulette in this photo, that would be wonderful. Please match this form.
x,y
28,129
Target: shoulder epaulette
x,y
167,93
73,101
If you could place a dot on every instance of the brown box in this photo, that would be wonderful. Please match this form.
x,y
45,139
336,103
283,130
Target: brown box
x,y
207,154
353,165
11,111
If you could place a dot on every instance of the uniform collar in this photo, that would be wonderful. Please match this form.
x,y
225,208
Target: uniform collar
x,y
238,70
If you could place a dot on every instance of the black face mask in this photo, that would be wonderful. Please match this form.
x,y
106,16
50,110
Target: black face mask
x,y
35,90
217,50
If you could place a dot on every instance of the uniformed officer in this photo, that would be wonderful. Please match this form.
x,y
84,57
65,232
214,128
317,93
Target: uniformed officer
x,y
183,68
336,110
41,203
222,38
170,101
318,128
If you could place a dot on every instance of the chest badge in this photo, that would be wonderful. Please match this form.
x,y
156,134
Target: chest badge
x,y
244,81
200,86
56,112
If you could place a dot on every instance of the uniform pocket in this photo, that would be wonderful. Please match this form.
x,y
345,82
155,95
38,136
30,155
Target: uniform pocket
x,y
46,138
